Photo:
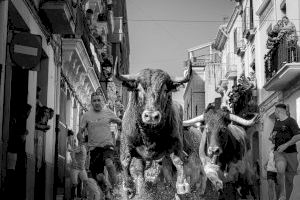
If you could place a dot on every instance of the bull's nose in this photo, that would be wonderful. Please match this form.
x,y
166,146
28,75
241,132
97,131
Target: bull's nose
x,y
214,151
151,117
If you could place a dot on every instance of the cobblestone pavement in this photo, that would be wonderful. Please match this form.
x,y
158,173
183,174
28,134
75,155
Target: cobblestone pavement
x,y
162,191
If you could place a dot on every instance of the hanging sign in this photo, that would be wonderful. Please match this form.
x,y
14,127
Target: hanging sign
x,y
26,50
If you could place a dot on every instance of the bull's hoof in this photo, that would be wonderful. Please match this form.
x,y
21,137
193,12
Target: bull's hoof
x,y
219,186
176,197
183,187
129,192
128,189
217,183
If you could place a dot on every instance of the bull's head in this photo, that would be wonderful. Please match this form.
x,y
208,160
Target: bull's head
x,y
218,135
152,90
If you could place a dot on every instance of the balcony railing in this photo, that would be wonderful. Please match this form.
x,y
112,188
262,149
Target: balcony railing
x,y
282,53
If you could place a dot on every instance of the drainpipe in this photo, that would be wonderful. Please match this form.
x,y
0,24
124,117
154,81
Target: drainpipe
x,y
56,157
3,40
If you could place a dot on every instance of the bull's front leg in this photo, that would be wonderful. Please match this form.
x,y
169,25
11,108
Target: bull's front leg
x,y
182,186
167,170
137,172
125,159
212,173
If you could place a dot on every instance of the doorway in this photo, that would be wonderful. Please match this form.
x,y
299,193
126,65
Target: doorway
x,y
19,93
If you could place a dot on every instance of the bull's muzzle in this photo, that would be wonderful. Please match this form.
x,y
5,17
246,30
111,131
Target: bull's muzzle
x,y
213,151
151,117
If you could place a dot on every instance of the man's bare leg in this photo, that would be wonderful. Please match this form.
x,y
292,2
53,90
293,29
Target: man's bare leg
x,y
281,167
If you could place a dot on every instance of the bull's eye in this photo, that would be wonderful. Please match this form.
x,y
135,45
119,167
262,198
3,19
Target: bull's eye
x,y
164,91
223,134
223,129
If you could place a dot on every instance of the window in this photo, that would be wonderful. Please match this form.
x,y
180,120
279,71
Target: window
x,y
235,40
188,111
248,18
251,25
269,29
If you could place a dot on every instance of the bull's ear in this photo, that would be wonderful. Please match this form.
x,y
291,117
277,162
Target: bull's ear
x,y
130,85
128,80
180,81
173,87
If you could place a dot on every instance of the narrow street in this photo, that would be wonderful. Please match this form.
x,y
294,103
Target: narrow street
x,y
194,100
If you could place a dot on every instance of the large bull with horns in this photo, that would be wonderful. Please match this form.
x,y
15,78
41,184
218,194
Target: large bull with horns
x,y
222,144
152,126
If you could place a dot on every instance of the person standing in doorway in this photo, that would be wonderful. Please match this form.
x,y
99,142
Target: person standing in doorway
x,y
96,122
286,161
16,155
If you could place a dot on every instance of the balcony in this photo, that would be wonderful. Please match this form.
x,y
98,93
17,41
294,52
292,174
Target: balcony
x,y
281,65
60,15
231,72
241,48
249,34
231,66
78,69
239,43
117,35
248,23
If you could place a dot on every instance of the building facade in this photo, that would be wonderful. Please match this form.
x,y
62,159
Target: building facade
x,y
278,69
54,54
194,94
261,62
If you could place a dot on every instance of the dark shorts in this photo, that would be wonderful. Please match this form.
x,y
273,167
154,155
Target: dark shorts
x,y
272,176
98,157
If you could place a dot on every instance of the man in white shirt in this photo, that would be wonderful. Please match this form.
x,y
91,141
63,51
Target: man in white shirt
x,y
96,122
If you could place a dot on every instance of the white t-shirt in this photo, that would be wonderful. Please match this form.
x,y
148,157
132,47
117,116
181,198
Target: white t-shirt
x,y
98,127
271,162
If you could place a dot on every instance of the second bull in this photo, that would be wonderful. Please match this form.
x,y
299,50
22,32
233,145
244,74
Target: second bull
x,y
223,145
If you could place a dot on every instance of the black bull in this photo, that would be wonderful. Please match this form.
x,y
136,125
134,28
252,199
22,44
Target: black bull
x,y
152,127
223,146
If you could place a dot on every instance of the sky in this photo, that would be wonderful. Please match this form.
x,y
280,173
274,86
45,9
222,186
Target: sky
x,y
161,31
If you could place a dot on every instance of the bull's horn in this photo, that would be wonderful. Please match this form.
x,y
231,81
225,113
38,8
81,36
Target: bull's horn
x,y
242,121
186,77
191,122
122,78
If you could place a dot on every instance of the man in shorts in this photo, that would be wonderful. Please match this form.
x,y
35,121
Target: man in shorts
x,y
286,161
96,122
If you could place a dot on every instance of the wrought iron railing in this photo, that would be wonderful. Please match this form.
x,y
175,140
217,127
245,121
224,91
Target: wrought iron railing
x,y
285,51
